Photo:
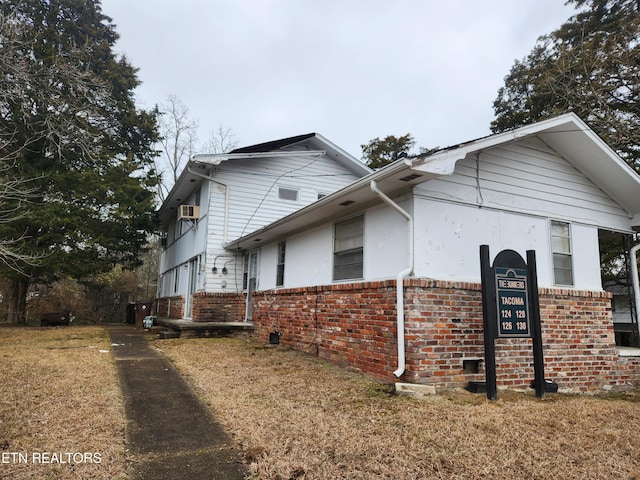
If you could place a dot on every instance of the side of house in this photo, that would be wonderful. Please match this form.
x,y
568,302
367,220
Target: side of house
x,y
223,196
330,276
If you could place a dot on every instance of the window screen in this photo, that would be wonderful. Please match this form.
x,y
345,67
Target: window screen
x,y
561,247
348,249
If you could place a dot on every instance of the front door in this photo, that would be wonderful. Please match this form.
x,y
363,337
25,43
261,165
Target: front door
x,y
252,283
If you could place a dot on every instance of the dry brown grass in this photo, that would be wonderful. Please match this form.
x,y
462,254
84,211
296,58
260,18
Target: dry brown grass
x,y
60,394
299,417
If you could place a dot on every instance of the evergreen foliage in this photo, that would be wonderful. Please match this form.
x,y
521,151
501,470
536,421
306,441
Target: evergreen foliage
x,y
590,66
378,153
69,125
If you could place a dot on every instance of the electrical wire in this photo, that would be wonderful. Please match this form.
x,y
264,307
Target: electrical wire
x,y
315,159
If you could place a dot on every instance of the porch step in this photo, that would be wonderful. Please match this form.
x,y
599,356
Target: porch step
x,y
188,329
165,334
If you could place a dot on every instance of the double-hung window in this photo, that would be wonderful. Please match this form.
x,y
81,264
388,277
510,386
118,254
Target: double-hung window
x,y
348,244
561,248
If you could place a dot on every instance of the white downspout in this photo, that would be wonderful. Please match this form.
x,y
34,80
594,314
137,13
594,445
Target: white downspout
x,y
634,279
400,277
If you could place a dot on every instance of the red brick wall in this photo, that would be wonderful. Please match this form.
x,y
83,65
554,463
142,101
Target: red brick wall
x,y
218,307
207,307
350,324
443,327
172,307
355,325
580,341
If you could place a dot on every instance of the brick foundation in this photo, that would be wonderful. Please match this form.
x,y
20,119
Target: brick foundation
x,y
218,307
207,307
350,324
355,325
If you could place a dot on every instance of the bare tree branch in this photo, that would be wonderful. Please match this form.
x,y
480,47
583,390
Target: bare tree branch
x,y
179,135
221,140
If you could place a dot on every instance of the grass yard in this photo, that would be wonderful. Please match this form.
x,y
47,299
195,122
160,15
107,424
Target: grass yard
x,y
300,417
59,402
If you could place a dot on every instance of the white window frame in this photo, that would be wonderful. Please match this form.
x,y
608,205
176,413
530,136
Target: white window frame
x,y
348,252
561,251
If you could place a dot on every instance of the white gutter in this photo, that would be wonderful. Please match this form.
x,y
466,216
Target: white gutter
x,y
226,200
400,278
635,280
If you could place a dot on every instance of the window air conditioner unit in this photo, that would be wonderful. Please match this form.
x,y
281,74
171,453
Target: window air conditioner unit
x,y
188,212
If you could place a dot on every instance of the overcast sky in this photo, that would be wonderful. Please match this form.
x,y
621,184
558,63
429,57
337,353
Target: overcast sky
x,y
351,70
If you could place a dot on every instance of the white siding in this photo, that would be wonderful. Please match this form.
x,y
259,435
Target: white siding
x,y
309,259
505,197
448,239
447,242
245,199
216,256
183,247
386,242
309,256
528,177
254,183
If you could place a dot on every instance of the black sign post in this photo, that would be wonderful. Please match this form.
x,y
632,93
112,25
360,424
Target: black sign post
x,y
510,309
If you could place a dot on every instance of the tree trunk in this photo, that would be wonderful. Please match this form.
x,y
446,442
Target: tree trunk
x,y
17,305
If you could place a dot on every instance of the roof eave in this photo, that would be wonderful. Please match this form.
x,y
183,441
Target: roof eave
x,y
206,161
443,163
359,189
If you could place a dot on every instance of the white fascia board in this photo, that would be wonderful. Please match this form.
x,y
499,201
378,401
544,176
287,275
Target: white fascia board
x,y
218,158
569,136
351,162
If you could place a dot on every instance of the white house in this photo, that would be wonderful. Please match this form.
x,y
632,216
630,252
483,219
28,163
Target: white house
x,y
383,274
225,196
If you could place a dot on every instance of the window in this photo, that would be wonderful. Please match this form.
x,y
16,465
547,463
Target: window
x,y
348,249
288,194
561,247
280,269
245,272
176,279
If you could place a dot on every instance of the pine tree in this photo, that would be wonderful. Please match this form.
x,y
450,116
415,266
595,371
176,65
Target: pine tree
x,y
70,127
590,66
